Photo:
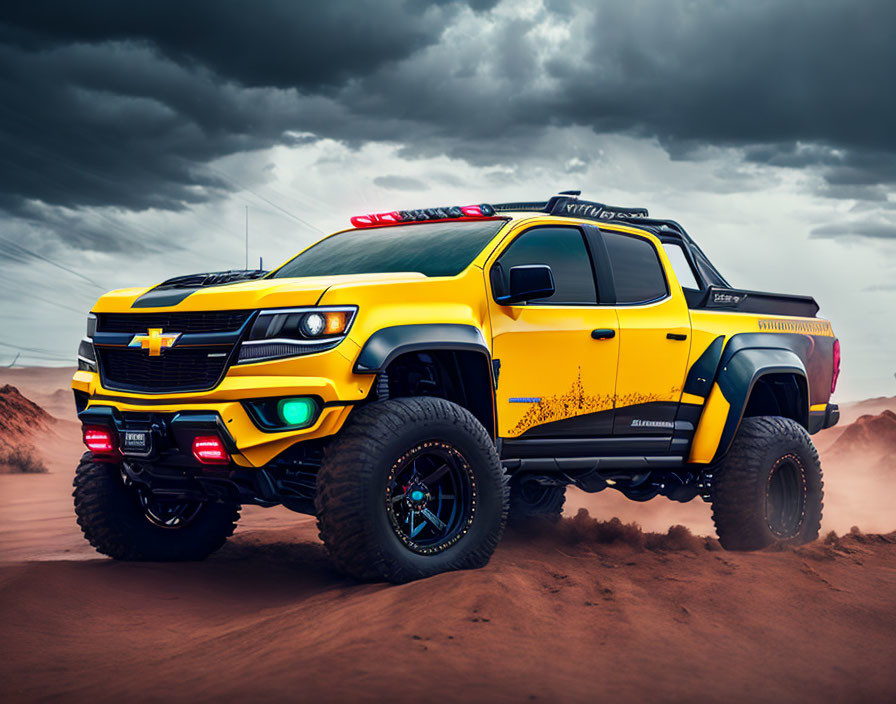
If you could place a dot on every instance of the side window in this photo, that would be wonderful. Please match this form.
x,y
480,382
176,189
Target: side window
x,y
636,269
681,266
561,248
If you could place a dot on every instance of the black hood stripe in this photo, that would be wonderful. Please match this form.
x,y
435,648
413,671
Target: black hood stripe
x,y
159,298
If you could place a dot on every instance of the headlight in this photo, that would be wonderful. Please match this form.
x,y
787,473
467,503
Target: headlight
x,y
313,325
86,356
290,332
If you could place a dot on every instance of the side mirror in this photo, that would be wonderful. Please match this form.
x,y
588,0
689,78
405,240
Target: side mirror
x,y
527,282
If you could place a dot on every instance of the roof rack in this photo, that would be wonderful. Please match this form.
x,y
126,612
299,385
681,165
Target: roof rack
x,y
568,203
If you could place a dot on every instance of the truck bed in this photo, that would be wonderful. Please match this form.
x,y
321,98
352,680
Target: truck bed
x,y
745,301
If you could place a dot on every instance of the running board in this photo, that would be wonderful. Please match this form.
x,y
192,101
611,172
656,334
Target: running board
x,y
579,464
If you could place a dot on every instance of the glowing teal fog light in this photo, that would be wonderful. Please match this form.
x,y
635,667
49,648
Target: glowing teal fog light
x,y
296,411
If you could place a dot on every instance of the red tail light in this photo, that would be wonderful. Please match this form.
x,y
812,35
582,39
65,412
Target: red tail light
x,y
209,449
99,440
836,366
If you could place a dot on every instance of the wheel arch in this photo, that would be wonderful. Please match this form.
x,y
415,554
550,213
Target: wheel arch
x,y
750,381
459,349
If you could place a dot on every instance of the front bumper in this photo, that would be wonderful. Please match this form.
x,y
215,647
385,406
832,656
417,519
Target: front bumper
x,y
331,380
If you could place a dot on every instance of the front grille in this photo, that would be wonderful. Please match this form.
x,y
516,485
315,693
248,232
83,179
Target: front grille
x,y
177,369
196,362
192,322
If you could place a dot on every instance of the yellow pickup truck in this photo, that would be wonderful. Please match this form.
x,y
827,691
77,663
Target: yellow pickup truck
x,y
419,379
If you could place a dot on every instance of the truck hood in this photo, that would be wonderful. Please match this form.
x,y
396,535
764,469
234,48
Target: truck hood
x,y
259,293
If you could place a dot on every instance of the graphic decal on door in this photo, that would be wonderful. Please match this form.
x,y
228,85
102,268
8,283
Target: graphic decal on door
x,y
633,399
576,402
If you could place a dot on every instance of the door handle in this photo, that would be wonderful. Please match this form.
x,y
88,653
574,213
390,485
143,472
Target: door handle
x,y
676,336
603,333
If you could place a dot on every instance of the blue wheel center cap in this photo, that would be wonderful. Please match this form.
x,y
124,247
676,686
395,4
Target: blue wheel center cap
x,y
417,496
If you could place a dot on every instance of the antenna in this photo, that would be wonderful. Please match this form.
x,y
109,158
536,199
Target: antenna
x,y
247,237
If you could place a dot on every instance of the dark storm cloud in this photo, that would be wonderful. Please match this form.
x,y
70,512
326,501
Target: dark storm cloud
x,y
873,230
858,173
804,84
737,74
76,131
280,43
753,72
116,104
109,103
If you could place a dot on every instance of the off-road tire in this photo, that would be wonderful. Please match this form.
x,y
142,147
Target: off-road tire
x,y
743,481
530,501
352,515
114,522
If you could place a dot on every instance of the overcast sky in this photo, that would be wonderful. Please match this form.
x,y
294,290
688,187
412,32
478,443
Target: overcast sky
x,y
133,136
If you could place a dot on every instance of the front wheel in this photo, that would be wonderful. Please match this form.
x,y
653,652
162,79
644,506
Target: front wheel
x,y
768,489
127,522
411,487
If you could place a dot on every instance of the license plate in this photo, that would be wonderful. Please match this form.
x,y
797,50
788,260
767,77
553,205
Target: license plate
x,y
135,441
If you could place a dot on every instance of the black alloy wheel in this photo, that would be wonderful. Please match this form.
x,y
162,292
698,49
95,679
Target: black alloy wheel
x,y
411,487
768,489
431,497
171,514
785,500
128,522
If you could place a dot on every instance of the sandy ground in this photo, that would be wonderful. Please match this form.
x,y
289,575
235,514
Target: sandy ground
x,y
574,613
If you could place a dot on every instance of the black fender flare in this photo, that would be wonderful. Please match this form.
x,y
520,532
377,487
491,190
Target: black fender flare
x,y
386,344
741,366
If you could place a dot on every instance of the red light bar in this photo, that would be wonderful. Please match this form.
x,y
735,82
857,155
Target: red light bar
x,y
396,217
375,219
99,440
209,449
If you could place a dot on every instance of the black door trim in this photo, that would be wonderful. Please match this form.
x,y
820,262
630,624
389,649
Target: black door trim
x,y
600,261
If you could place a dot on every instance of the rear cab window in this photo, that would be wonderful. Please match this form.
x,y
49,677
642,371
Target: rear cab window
x,y
637,271
681,266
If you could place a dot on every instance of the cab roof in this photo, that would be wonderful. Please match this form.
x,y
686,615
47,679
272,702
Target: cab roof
x,y
564,204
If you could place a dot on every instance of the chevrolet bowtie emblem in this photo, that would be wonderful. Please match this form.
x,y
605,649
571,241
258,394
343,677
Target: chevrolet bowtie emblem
x,y
155,341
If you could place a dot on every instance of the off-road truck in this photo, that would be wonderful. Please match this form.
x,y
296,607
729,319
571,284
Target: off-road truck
x,y
413,380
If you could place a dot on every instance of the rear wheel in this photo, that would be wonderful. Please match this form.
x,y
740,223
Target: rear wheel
x,y
769,488
411,487
127,522
530,500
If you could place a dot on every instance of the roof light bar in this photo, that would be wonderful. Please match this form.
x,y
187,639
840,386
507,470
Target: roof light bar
x,y
566,203
454,212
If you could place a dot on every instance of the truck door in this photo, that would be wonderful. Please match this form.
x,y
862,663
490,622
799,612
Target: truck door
x,y
654,339
557,354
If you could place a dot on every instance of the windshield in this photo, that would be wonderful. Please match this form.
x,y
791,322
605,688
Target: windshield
x,y
432,249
